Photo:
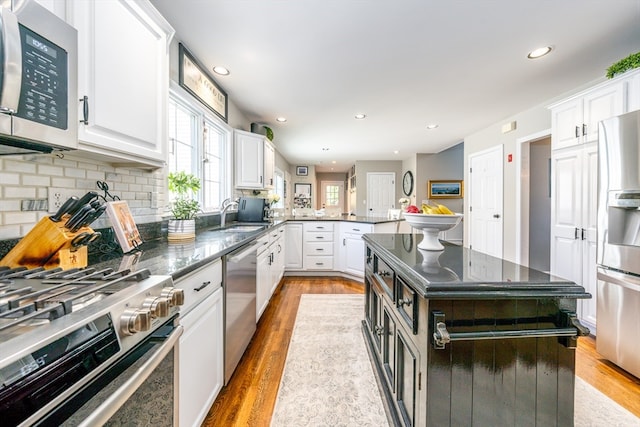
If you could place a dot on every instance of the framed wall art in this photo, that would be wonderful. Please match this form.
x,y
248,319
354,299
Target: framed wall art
x,y
195,80
445,189
302,171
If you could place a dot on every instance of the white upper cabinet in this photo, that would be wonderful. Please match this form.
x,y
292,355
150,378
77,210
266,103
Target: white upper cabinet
x,y
575,121
254,159
123,80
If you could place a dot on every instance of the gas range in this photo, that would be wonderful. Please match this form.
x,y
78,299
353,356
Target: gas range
x,y
84,319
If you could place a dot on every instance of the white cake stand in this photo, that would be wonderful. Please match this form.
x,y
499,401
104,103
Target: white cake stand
x,y
431,226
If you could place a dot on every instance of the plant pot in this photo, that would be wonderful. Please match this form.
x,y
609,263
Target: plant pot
x,y
181,230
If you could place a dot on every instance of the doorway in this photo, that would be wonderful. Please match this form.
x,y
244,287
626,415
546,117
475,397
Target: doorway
x,y
533,200
332,196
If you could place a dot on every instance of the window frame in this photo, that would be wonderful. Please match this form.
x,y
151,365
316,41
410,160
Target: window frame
x,y
184,99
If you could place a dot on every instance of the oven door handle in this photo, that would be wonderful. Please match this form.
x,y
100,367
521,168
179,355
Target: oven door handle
x,y
110,406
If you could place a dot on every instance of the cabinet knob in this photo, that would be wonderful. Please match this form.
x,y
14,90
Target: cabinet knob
x,y
379,330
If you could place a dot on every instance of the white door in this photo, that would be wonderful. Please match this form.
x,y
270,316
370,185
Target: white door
x,y
485,209
332,195
566,215
381,193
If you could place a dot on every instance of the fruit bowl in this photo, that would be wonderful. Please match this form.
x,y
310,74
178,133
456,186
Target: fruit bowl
x,y
431,226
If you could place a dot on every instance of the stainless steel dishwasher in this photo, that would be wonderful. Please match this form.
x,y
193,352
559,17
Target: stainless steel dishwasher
x,y
239,304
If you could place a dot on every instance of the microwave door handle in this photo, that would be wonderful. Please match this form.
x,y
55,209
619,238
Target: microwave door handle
x,y
12,63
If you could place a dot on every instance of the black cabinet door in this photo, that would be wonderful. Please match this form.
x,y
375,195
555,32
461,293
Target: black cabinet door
x,y
407,376
388,346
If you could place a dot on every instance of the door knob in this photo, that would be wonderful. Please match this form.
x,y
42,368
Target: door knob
x,y
496,215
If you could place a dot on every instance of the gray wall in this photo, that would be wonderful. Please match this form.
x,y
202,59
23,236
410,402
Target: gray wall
x,y
447,164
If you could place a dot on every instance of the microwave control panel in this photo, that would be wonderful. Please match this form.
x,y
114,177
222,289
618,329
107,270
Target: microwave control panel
x,y
43,95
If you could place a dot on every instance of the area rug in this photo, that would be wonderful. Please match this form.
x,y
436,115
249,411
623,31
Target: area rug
x,y
328,379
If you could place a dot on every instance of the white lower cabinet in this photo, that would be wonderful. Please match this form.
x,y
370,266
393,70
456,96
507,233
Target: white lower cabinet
x,y
201,348
201,357
352,247
318,245
293,243
263,277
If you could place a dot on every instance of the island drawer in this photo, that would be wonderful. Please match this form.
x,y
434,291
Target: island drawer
x,y
407,304
384,274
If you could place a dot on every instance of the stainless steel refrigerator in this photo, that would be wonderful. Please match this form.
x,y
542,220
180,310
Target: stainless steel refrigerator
x,y
618,250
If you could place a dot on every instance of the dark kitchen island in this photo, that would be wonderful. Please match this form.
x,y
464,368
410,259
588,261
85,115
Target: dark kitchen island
x,y
461,338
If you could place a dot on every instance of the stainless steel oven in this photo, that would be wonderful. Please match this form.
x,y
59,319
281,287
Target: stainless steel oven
x,y
88,348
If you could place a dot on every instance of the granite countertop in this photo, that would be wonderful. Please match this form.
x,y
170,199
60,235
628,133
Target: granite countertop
x,y
458,272
178,259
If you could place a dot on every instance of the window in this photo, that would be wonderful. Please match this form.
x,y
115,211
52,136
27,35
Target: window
x,y
200,143
279,189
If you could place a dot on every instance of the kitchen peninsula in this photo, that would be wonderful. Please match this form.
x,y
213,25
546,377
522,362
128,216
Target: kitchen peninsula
x,y
458,337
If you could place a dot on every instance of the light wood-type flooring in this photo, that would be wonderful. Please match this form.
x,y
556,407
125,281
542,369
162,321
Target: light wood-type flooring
x,y
250,396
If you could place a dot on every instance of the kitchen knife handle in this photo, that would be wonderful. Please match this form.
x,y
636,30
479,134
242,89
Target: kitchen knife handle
x,y
66,207
77,217
84,200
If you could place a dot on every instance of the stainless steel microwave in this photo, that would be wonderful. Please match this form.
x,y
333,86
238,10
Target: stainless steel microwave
x,y
38,80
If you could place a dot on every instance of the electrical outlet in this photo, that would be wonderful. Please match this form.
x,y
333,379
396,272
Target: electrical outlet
x,y
57,196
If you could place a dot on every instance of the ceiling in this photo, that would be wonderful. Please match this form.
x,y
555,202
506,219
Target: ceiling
x,y
461,64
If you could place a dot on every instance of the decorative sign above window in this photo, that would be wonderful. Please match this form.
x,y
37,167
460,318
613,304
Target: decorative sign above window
x,y
194,78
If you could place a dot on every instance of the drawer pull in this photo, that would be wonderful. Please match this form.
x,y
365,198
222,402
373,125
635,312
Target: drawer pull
x,y
355,229
379,330
204,285
319,237
319,249
384,273
319,263
404,301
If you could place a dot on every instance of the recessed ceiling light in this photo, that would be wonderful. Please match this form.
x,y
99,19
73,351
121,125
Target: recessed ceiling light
x,y
360,116
334,162
395,152
432,126
221,70
537,53
281,119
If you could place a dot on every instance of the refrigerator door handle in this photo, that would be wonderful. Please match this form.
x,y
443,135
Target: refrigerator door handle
x,y
621,279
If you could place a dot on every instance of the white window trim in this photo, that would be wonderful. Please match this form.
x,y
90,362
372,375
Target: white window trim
x,y
185,98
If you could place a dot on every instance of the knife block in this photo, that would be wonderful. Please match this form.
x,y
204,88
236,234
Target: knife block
x,y
48,245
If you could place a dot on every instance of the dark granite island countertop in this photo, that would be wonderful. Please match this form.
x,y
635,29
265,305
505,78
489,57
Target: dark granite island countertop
x,y
458,272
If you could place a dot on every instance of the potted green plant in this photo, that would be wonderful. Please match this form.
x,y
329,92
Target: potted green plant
x,y
625,64
184,206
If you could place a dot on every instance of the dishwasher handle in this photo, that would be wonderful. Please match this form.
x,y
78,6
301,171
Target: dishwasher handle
x,y
620,279
240,254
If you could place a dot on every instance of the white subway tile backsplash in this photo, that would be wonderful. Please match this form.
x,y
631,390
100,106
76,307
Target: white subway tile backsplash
x,y
8,178
11,218
18,166
63,182
19,192
75,172
50,170
35,180
29,177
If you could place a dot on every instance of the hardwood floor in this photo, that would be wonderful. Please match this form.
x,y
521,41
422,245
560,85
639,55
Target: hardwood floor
x,y
250,396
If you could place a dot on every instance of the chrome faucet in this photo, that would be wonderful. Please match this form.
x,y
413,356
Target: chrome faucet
x,y
226,205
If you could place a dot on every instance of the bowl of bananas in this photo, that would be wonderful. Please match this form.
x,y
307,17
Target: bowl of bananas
x,y
432,220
